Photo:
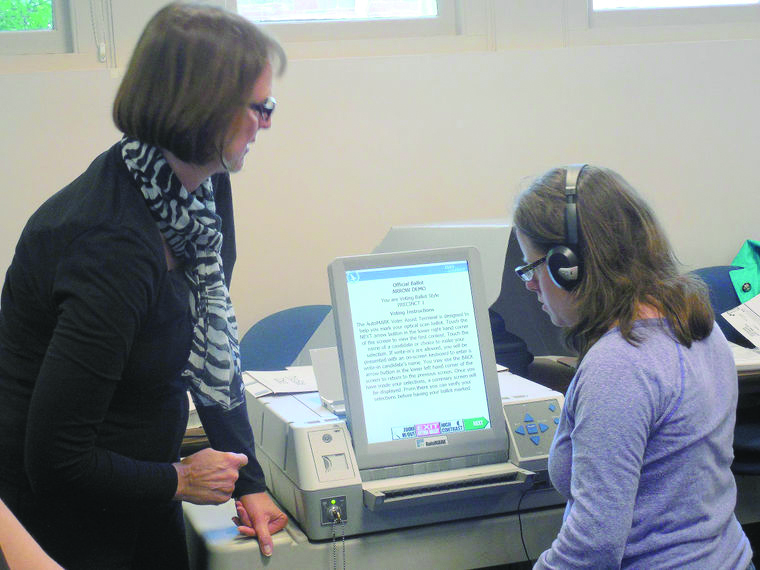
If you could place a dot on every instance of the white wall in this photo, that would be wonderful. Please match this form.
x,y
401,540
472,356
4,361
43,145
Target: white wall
x,y
360,144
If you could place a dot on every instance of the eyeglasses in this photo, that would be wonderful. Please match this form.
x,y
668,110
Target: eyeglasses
x,y
525,272
264,109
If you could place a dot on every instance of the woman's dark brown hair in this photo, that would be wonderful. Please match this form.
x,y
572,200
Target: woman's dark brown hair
x,y
626,258
192,71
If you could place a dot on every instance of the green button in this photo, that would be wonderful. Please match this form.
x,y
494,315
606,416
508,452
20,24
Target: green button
x,y
475,423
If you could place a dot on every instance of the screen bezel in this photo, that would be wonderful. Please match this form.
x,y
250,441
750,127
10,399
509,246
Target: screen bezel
x,y
398,452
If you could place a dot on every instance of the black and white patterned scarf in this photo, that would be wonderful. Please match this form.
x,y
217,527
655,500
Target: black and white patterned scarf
x,y
192,230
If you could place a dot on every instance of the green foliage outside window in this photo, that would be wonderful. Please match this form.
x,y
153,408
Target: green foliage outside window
x,y
22,15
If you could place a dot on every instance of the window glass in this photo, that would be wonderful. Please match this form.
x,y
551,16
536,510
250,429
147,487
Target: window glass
x,y
646,21
600,5
25,15
332,10
36,27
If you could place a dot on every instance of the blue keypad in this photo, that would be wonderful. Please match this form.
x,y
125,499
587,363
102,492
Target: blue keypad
x,y
534,433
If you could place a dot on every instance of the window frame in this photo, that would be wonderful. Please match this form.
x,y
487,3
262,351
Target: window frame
x,y
583,26
82,19
691,15
445,24
57,40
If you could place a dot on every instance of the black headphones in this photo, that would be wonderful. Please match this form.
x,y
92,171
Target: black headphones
x,y
563,261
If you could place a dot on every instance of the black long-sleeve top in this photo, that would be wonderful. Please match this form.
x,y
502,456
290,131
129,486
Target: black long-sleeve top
x,y
94,333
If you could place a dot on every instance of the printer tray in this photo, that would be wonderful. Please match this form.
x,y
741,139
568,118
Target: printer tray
x,y
466,483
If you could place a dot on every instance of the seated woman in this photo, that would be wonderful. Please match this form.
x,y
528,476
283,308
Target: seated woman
x,y
644,446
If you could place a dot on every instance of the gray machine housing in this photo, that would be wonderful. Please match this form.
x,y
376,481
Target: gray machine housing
x,y
308,460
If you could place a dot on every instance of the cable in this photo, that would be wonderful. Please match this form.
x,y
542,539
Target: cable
x,y
100,43
343,540
519,520
337,518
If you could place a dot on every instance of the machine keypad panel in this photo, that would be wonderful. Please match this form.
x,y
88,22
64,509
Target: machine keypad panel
x,y
532,426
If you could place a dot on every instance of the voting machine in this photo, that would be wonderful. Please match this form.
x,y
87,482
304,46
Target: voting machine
x,y
428,431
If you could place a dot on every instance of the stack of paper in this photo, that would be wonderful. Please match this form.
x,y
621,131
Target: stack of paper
x,y
292,380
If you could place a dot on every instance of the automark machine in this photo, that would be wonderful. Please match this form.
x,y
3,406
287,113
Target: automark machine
x,y
311,470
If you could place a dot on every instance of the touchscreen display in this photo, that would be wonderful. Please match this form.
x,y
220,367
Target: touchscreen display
x,y
417,351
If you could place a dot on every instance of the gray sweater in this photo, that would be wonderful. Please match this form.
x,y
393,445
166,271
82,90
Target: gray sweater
x,y
643,455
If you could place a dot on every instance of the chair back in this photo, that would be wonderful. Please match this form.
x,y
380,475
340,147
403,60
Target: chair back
x,y
747,432
275,341
520,312
722,298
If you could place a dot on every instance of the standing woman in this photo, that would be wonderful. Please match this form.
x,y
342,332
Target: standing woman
x,y
116,303
644,445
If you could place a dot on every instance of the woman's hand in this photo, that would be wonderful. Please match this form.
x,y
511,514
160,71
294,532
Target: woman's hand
x,y
208,476
258,516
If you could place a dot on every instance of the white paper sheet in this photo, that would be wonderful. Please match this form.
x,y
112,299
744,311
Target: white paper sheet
x,y
746,319
290,381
